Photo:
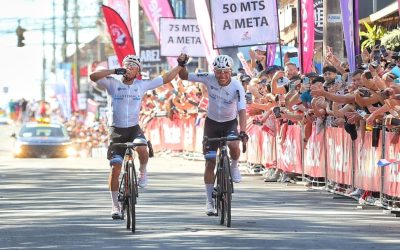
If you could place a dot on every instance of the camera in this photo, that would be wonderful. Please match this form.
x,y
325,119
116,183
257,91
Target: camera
x,y
365,92
277,112
368,74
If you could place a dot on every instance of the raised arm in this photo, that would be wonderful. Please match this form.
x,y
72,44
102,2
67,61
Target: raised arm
x,y
97,75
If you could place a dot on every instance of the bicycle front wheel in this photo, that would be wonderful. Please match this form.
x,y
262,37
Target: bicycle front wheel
x,y
227,190
132,195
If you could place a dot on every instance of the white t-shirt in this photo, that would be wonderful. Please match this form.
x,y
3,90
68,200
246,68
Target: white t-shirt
x,y
224,103
124,101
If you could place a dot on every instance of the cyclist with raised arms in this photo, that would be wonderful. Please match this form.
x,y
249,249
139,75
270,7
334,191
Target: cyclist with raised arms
x,y
226,100
124,99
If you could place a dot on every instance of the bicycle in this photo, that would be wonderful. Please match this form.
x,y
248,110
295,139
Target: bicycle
x,y
128,187
223,185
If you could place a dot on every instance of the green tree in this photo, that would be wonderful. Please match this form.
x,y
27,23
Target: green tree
x,y
391,40
371,35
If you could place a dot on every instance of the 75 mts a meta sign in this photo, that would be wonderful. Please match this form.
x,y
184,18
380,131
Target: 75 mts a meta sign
x,y
180,36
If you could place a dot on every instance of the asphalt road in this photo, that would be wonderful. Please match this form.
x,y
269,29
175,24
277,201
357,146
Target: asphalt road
x,y
65,204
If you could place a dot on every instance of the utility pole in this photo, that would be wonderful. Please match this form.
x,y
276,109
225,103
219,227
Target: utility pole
x,y
64,46
54,64
333,29
43,86
76,57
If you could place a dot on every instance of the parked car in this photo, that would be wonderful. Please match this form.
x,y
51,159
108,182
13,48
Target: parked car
x,y
43,139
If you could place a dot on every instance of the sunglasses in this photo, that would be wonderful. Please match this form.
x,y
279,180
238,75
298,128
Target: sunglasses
x,y
222,71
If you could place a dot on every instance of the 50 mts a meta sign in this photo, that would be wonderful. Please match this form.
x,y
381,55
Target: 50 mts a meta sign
x,y
244,22
180,36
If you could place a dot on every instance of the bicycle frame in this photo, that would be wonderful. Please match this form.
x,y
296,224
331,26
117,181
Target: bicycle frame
x,y
223,184
128,186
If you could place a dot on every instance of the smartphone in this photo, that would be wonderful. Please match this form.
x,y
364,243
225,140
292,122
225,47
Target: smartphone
x,y
338,79
365,92
306,80
277,112
292,86
361,113
292,54
377,56
368,74
378,43
396,71
359,61
249,97
383,51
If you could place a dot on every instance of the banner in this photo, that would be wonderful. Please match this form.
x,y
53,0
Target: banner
x,y
314,155
243,23
122,7
180,36
347,9
318,20
203,19
120,36
306,38
244,64
271,54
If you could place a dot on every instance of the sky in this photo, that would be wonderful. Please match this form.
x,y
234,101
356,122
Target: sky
x,y
21,68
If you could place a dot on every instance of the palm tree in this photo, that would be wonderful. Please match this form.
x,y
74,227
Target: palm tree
x,y
371,36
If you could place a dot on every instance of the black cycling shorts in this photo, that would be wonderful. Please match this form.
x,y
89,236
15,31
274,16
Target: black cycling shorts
x,y
122,135
214,129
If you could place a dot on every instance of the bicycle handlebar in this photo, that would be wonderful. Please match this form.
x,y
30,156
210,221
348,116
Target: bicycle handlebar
x,y
225,139
126,145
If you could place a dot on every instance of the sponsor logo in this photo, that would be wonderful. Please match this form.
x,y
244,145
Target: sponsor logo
x,y
118,35
246,36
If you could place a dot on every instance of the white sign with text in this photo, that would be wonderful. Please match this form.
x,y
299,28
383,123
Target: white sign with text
x,y
180,36
244,22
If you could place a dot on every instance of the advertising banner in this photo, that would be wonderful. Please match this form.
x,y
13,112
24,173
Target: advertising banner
x,y
306,43
367,173
392,171
243,23
180,36
314,155
347,9
289,151
119,33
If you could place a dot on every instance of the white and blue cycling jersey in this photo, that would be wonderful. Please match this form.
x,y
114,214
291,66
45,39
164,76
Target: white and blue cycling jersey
x,y
224,102
124,101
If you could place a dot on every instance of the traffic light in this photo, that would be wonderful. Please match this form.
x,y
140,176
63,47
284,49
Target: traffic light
x,y
20,34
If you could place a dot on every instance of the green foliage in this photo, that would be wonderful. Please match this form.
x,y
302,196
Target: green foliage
x,y
391,40
370,37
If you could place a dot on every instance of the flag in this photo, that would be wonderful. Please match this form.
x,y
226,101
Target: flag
x,y
384,162
306,38
122,7
120,35
347,8
154,10
203,19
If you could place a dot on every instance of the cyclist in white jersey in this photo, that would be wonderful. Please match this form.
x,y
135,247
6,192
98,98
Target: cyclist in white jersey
x,y
226,101
124,99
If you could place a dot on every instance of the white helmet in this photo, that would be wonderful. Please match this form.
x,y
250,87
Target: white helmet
x,y
133,61
223,62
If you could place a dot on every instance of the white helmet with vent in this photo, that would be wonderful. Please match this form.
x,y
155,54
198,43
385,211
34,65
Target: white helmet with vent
x,y
223,62
132,60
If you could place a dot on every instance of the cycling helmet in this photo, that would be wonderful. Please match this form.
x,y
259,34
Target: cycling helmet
x,y
132,60
223,62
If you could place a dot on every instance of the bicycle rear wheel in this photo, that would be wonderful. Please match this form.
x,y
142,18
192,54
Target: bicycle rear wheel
x,y
227,190
132,196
